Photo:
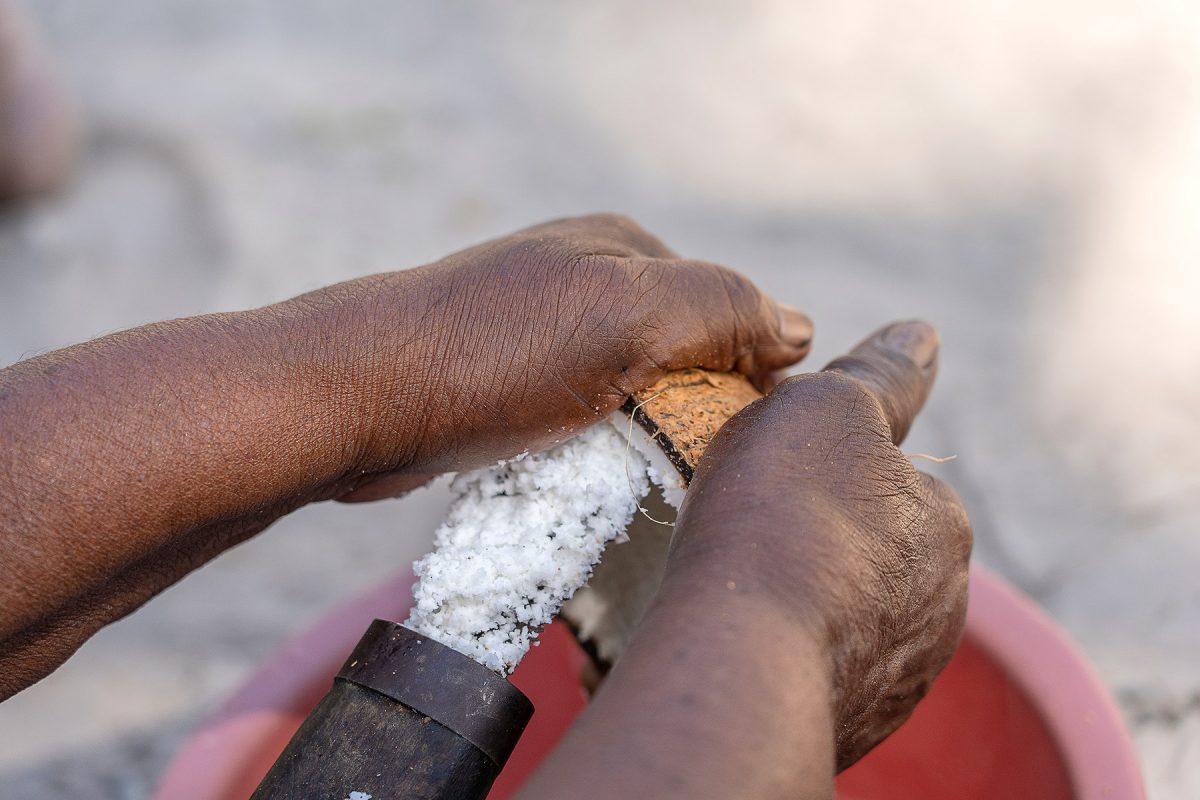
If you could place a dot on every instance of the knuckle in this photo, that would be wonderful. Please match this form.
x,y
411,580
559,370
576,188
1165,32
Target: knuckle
x,y
530,254
742,293
953,507
717,288
824,393
610,220
815,424
961,525
891,372
821,387
650,278
951,514
563,261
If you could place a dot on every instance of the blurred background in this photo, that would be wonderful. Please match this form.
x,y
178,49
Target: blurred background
x,y
1026,175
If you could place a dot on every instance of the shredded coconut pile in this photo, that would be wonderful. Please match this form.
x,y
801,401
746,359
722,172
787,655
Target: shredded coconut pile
x,y
520,538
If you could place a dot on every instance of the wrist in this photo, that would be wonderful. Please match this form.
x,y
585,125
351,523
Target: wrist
x,y
735,590
736,683
745,547
359,369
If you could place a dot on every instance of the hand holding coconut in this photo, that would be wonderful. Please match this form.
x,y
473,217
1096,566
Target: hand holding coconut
x,y
523,341
815,588
133,459
817,581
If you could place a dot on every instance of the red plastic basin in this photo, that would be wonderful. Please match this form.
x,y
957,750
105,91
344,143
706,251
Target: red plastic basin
x,y
1017,714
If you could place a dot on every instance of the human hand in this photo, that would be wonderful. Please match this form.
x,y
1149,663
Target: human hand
x,y
132,459
805,504
520,342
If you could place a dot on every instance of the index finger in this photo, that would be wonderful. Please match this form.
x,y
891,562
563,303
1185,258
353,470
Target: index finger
x,y
897,366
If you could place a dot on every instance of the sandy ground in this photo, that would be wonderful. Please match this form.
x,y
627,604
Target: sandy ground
x,y
1026,175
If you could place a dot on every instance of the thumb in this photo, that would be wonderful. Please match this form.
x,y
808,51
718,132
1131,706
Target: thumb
x,y
896,365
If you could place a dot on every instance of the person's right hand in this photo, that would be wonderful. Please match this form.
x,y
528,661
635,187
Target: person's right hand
x,y
816,586
805,503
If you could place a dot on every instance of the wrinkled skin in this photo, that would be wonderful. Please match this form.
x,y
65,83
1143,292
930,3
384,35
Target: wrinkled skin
x,y
876,551
832,575
815,588
527,339
132,459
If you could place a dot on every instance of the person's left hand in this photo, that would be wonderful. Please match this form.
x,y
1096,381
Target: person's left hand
x,y
134,458
520,342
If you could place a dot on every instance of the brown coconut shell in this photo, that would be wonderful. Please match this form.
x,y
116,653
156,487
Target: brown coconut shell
x,y
684,410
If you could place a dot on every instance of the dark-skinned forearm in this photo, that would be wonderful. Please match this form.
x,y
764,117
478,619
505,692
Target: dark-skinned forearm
x,y
131,460
719,695
128,461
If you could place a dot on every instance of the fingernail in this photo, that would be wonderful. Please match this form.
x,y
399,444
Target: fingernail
x,y
916,340
794,326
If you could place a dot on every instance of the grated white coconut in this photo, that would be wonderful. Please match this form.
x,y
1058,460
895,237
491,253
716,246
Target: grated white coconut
x,y
522,536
